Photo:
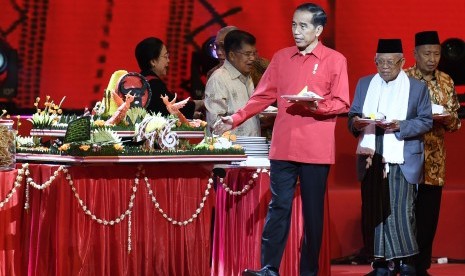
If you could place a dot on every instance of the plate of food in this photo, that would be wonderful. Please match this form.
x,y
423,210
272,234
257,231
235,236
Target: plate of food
x,y
301,98
375,121
368,120
270,110
304,95
383,122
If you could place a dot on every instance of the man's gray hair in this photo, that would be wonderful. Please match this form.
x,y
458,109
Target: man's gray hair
x,y
223,31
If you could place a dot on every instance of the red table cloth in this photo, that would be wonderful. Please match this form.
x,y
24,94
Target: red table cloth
x,y
56,237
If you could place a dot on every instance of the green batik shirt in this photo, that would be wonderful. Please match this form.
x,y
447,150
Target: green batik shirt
x,y
442,92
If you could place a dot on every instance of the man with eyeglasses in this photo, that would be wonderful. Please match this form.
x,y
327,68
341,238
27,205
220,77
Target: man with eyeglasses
x,y
258,67
303,141
442,92
389,114
230,86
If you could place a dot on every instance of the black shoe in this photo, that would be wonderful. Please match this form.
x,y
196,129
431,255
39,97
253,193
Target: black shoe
x,y
371,273
407,270
382,268
423,273
262,272
382,271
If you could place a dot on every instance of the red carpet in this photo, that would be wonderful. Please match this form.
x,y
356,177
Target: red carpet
x,y
436,270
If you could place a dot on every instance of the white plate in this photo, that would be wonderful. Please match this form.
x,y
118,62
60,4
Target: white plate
x,y
272,113
376,121
271,109
301,98
443,115
261,146
370,121
250,138
264,152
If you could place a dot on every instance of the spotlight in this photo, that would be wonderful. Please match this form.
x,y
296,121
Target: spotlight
x,y
202,61
8,70
2,62
210,48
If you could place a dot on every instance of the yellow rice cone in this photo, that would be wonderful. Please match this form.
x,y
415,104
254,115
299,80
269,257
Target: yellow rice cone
x,y
110,104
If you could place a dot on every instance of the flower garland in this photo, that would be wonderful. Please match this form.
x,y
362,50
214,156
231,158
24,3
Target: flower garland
x,y
19,179
119,218
169,218
30,181
24,171
246,187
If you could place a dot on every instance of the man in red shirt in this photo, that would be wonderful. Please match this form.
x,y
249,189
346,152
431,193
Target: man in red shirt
x,y
303,142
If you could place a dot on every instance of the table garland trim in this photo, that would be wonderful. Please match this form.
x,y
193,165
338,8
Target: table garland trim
x,y
24,173
247,187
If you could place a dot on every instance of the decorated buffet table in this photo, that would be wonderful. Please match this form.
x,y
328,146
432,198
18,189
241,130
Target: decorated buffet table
x,y
116,190
119,190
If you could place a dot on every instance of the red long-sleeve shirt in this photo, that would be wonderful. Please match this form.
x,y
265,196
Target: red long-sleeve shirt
x,y
300,134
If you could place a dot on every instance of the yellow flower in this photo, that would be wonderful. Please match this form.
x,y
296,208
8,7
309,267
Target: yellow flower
x,y
64,147
99,123
118,147
229,136
84,147
211,147
238,147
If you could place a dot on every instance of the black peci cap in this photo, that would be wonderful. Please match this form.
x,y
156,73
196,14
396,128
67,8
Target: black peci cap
x,y
392,45
426,37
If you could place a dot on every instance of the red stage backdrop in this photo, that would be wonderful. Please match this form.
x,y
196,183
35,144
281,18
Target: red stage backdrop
x,y
359,24
71,48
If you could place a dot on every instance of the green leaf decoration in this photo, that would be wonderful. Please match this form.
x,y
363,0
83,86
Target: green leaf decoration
x,y
135,115
27,141
78,130
105,135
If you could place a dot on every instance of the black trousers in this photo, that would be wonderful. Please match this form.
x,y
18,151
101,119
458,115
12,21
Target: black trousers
x,y
427,209
284,176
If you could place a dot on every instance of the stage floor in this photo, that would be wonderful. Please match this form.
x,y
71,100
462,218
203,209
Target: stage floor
x,y
436,270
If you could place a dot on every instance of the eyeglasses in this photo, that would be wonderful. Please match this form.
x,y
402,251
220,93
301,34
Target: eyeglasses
x,y
389,63
167,55
248,54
